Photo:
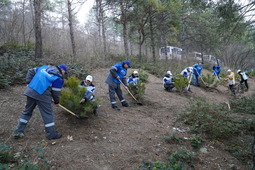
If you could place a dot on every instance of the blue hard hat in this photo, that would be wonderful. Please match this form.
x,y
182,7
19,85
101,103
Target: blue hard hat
x,y
62,66
128,63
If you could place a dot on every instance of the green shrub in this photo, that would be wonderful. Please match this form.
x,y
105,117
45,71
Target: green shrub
x,y
171,138
159,68
196,141
243,104
180,82
210,81
207,66
137,91
4,83
143,76
223,74
251,73
15,61
77,70
71,96
240,148
179,157
11,160
176,161
6,157
214,120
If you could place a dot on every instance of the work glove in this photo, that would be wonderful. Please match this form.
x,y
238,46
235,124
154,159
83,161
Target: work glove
x,y
83,101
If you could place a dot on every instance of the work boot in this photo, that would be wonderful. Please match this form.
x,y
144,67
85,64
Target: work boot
x,y
19,132
125,104
169,90
21,127
95,112
51,133
114,106
18,135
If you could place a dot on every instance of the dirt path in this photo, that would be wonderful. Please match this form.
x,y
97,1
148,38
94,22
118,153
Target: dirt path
x,y
116,139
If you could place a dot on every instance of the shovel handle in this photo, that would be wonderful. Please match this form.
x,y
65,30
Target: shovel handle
x,y
190,80
216,75
201,77
128,91
69,111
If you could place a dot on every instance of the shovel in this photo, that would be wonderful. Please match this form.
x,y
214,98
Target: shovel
x,y
190,80
139,103
216,75
203,81
201,78
69,111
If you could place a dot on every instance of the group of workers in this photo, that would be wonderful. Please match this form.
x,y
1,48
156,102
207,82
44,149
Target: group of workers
x,y
192,74
44,87
195,72
45,84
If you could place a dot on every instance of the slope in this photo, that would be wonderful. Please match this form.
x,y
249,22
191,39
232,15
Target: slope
x,y
116,139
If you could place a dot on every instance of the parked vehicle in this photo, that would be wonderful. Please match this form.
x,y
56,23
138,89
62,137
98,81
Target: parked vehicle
x,y
170,52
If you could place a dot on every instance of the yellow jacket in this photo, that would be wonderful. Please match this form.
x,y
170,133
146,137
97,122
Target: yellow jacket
x,y
231,78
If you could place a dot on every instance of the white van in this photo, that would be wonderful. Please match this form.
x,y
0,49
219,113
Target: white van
x,y
170,52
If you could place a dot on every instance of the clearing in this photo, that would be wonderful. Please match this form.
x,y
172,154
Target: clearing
x,y
116,139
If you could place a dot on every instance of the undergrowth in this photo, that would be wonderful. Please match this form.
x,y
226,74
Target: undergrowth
x,y
216,122
17,59
243,104
19,160
176,161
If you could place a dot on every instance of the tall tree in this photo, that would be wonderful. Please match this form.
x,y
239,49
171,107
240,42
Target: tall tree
x,y
140,18
151,19
168,23
70,23
123,20
122,11
101,20
199,25
38,29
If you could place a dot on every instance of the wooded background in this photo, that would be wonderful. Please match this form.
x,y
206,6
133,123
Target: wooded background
x,y
131,29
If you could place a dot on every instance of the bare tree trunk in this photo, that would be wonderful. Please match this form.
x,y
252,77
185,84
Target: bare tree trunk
x,y
124,24
33,20
140,48
131,47
99,20
23,23
104,38
38,30
62,17
165,44
70,20
152,35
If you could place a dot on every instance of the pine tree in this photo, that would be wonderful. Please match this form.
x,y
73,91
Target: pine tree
x,y
138,91
71,96
143,76
211,81
180,82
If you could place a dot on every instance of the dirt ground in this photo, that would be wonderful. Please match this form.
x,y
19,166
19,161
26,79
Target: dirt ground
x,y
115,139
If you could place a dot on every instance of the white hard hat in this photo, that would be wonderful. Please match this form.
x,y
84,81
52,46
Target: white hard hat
x,y
89,78
169,72
190,69
238,70
229,70
135,72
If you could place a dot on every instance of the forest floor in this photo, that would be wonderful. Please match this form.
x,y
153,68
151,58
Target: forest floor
x,y
115,139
